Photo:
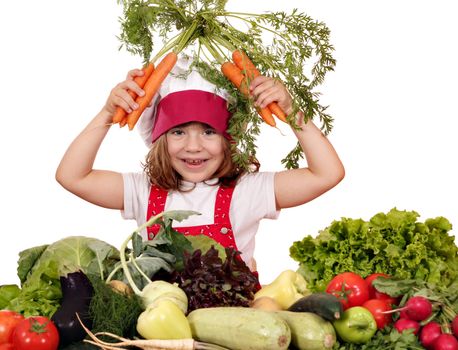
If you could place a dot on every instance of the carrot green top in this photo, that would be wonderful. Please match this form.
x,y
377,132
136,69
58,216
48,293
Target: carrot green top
x,y
298,53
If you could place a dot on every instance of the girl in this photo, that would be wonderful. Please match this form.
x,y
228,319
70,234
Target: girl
x,y
189,165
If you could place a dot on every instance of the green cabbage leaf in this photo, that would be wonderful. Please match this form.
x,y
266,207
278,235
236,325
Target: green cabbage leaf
x,y
39,270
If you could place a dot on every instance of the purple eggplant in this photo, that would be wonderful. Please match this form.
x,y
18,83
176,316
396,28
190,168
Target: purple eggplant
x,y
77,293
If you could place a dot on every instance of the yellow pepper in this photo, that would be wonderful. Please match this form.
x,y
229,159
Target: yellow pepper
x,y
287,288
163,320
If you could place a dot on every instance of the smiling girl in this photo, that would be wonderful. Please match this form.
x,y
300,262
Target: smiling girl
x,y
190,164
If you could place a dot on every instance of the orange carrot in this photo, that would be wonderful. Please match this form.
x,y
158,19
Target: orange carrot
x,y
140,80
123,121
277,111
244,63
235,75
151,87
249,70
266,115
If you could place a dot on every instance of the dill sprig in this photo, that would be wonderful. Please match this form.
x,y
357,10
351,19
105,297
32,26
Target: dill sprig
x,y
291,47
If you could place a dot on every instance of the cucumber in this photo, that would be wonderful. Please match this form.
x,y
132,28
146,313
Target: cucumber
x,y
240,328
325,305
309,331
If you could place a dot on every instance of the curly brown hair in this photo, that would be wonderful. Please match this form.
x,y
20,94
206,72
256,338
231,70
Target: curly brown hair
x,y
158,167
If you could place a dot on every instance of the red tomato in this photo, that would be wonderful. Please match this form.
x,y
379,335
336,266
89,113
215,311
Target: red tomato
x,y
373,293
6,346
8,321
369,279
36,333
377,307
350,288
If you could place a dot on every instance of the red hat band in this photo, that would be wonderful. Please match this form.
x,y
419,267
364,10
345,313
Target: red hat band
x,y
191,106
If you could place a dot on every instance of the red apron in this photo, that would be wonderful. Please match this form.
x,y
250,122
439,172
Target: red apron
x,y
220,230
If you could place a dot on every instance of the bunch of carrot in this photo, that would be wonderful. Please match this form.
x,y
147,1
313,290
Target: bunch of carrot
x,y
150,82
241,72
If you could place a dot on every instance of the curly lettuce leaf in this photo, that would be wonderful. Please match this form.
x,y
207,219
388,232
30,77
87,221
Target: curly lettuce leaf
x,y
396,243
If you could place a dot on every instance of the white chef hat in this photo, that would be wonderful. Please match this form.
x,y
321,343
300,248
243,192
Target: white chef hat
x,y
184,96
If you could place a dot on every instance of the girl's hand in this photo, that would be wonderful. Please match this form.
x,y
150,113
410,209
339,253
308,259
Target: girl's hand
x,y
266,90
119,95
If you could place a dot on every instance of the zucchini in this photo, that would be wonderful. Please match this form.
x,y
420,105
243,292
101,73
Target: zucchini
x,y
325,305
240,328
309,331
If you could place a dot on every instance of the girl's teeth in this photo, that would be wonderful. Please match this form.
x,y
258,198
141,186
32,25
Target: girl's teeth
x,y
194,162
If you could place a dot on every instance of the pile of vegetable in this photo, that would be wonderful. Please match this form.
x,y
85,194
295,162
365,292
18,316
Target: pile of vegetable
x,y
395,276
95,287
230,49
188,292
384,312
395,243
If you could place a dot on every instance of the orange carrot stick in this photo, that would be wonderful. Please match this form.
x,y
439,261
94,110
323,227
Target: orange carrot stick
x,y
266,115
235,75
123,121
249,69
140,80
151,87
277,111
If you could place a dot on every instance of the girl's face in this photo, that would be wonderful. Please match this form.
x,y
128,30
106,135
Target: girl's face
x,y
196,151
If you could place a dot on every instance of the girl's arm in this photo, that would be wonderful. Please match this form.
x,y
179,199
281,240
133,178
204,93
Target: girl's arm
x,y
324,169
75,171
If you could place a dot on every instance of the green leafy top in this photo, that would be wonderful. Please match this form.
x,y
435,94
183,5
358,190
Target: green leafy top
x,y
291,47
166,251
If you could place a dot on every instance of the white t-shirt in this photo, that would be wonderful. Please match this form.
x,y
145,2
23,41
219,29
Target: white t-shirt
x,y
253,200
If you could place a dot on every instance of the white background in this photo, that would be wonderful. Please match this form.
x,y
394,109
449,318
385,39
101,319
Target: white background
x,y
393,96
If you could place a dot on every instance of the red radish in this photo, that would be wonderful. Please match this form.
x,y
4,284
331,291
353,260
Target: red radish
x,y
418,308
403,314
429,333
445,342
455,326
404,324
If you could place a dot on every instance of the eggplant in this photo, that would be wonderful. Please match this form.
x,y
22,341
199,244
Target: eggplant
x,y
77,293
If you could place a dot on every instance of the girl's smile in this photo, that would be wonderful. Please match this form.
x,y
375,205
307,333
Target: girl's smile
x,y
196,151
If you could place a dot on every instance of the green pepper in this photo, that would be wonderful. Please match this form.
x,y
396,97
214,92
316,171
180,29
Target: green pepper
x,y
286,289
357,325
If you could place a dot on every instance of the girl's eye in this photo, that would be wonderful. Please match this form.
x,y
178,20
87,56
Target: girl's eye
x,y
210,132
177,132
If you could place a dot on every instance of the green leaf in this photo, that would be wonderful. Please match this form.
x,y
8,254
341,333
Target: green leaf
x,y
179,215
137,244
7,293
27,259
204,243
